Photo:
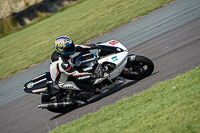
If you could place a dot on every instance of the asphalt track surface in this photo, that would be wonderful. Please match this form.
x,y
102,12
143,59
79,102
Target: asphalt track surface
x,y
170,36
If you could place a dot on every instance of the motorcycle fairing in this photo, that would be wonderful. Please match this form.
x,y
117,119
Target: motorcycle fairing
x,y
106,50
119,60
38,85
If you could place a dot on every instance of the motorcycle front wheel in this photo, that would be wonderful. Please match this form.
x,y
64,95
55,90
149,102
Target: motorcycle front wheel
x,y
52,99
139,69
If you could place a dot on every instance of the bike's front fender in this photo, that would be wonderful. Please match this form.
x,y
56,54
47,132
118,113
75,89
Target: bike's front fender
x,y
130,59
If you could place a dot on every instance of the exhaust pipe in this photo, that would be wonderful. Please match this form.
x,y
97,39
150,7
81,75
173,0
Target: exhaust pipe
x,y
54,105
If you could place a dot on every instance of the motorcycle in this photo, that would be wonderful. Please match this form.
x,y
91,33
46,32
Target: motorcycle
x,y
112,57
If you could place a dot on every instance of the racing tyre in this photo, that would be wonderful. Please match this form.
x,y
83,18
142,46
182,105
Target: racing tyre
x,y
140,68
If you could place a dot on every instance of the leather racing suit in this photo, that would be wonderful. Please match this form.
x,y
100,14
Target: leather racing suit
x,y
61,70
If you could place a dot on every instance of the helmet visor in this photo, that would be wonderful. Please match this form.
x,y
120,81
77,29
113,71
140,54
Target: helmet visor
x,y
70,48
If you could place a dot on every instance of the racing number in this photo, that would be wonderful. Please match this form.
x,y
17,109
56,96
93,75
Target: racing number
x,y
113,42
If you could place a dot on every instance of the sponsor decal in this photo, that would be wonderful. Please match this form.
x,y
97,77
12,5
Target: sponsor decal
x,y
39,90
68,86
84,77
86,69
30,85
114,58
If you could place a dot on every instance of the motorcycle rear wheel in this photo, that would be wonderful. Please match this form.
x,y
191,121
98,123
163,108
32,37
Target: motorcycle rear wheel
x,y
52,99
139,69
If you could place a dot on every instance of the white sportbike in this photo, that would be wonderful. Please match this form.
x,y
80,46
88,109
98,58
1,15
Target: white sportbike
x,y
112,57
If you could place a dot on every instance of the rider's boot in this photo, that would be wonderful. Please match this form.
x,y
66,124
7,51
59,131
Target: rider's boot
x,y
80,98
85,94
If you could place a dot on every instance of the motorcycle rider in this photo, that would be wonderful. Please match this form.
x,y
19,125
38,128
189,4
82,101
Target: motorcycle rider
x,y
62,70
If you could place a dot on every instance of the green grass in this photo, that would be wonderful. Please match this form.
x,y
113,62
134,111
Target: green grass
x,y
10,6
170,107
81,22
9,25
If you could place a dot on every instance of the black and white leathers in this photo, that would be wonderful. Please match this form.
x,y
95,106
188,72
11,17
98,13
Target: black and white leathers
x,y
61,68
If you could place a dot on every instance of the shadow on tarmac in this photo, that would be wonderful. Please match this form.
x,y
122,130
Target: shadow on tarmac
x,y
100,96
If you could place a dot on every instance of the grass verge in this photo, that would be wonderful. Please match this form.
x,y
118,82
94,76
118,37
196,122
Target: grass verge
x,y
170,106
81,22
